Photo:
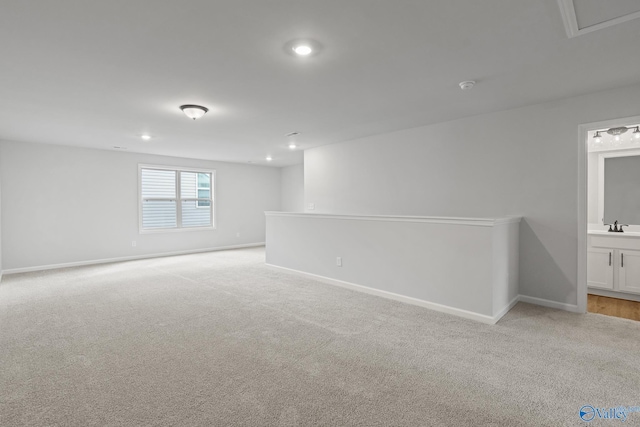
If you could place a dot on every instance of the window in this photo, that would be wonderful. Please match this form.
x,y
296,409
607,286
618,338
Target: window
x,y
175,199
204,190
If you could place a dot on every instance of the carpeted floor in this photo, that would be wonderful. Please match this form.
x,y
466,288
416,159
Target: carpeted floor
x,y
218,339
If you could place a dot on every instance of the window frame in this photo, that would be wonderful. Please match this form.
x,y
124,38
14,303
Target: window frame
x,y
178,199
198,188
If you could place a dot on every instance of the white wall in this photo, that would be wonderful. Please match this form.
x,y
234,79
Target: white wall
x,y
292,188
66,205
517,162
0,213
466,267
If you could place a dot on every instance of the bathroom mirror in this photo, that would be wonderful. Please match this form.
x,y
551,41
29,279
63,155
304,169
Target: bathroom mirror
x,y
621,190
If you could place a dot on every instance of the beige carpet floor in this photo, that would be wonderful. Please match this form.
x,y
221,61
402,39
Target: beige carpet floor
x,y
218,339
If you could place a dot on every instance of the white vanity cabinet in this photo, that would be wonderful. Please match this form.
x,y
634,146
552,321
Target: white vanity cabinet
x,y
629,271
613,262
600,268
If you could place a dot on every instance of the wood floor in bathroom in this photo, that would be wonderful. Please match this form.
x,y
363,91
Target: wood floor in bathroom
x,y
613,307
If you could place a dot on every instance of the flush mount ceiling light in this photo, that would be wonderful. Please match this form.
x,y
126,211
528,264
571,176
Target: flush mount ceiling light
x,y
146,137
269,158
194,111
303,47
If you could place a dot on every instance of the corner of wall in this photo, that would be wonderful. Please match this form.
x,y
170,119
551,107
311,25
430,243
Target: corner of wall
x,y
292,188
0,211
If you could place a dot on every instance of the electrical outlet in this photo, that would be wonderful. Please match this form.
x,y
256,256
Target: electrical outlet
x,y
133,243
339,261
311,206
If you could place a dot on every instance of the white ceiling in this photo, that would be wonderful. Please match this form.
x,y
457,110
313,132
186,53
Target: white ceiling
x,y
100,73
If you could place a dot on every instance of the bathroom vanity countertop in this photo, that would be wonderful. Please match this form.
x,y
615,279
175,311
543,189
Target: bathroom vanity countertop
x,y
614,234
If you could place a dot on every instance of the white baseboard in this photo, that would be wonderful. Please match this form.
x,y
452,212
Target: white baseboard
x,y
506,309
548,303
128,258
397,297
491,320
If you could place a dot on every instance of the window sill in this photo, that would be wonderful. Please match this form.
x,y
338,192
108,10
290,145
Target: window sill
x,y
176,230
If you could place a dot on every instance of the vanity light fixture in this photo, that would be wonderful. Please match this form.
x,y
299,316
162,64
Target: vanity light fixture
x,y
194,111
597,137
616,132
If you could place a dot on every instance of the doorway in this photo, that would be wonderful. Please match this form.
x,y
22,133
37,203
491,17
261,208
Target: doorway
x,y
609,218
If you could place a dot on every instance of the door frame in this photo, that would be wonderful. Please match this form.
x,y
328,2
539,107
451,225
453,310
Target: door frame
x,y
583,199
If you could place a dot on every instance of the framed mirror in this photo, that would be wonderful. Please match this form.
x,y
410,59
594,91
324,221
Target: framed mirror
x,y
619,187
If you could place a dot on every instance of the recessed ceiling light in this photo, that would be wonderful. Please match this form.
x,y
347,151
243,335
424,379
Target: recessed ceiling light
x,y
303,47
292,141
194,111
269,158
146,137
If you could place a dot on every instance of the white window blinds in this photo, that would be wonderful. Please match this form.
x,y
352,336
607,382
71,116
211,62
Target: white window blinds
x,y
175,199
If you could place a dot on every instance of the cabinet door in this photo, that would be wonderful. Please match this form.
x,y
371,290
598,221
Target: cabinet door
x,y
629,271
600,268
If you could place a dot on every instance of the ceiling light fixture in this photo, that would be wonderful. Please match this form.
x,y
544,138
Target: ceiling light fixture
x,y
269,158
146,137
194,111
467,84
303,48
